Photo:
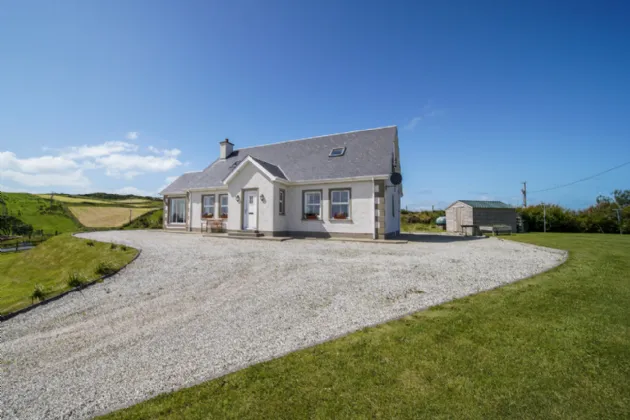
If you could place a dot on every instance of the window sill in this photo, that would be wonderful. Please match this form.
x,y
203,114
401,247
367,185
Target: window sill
x,y
340,220
311,220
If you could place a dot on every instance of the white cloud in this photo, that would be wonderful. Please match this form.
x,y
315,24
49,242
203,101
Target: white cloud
x,y
69,179
8,161
427,112
134,191
65,167
105,149
117,163
132,135
165,152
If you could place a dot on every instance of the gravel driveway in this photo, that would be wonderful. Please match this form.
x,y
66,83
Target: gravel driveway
x,y
192,308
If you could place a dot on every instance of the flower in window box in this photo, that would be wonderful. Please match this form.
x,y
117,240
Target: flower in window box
x,y
340,216
312,216
208,216
224,216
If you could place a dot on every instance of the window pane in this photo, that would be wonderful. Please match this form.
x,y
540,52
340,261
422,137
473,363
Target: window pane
x,y
340,209
312,209
208,205
177,210
344,196
223,203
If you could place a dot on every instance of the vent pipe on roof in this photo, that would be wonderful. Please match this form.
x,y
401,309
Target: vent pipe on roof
x,y
226,149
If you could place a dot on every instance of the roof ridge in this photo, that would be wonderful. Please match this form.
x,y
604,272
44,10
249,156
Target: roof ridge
x,y
316,137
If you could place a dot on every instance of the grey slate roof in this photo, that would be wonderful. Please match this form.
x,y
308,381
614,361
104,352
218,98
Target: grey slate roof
x,y
368,153
479,204
272,169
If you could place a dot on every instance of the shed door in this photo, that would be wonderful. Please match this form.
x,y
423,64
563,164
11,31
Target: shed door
x,y
458,218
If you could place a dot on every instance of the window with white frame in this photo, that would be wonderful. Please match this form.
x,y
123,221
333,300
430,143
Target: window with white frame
x,y
312,204
223,202
281,198
340,204
207,205
177,210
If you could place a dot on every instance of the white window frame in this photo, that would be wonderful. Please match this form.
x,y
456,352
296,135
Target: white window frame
x,y
340,203
282,196
171,208
223,207
203,205
342,151
305,205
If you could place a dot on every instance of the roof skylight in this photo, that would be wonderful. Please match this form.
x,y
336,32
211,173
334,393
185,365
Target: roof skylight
x,y
337,151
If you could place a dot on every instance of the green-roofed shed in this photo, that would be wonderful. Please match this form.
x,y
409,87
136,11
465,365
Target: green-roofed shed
x,y
462,215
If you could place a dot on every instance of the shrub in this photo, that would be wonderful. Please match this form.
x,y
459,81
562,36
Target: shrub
x,y
413,219
105,267
76,280
39,293
90,243
123,247
113,246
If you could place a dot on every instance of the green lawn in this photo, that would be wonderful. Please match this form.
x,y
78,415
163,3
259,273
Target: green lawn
x,y
37,211
553,346
49,265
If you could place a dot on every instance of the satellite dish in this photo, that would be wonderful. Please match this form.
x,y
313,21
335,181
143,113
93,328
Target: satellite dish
x,y
395,178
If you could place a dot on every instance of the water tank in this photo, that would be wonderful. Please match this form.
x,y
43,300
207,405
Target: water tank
x,y
440,221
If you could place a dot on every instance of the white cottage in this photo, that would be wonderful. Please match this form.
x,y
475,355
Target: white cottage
x,y
337,185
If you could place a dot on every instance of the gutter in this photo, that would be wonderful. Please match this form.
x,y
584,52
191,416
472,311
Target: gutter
x,y
373,212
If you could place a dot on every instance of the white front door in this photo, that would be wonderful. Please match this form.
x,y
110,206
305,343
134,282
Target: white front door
x,y
250,210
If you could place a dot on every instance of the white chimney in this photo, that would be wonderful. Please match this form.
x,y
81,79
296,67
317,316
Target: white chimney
x,y
226,148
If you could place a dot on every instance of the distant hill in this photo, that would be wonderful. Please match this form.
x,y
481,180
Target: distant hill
x,y
108,196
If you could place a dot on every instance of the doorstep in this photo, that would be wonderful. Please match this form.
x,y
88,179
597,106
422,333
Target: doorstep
x,y
253,238
365,240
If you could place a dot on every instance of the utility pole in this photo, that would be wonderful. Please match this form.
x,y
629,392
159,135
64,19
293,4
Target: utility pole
x,y
618,211
129,215
524,191
544,218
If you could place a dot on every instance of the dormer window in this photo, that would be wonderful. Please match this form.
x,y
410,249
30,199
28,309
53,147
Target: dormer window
x,y
337,151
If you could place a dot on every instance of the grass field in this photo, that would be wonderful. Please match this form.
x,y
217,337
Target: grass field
x,y
93,216
553,346
49,264
36,211
73,200
135,202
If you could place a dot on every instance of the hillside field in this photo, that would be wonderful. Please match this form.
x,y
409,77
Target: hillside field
x,y
38,212
72,200
95,216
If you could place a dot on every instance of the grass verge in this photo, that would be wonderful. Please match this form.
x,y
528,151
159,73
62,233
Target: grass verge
x,y
553,346
50,264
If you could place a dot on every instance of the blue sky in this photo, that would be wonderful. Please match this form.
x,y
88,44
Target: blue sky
x,y
124,95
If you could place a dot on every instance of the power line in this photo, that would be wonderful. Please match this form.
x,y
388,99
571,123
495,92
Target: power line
x,y
581,180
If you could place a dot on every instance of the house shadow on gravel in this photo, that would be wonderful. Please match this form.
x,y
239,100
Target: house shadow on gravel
x,y
437,238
